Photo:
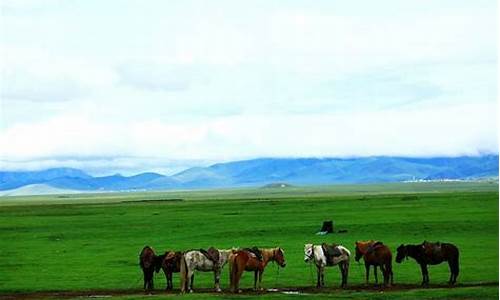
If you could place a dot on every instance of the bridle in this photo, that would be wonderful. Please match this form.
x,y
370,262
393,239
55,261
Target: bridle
x,y
274,255
311,256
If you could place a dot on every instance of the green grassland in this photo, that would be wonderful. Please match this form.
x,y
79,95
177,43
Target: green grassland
x,y
92,242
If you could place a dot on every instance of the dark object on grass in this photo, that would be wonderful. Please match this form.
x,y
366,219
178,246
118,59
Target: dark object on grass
x,y
327,227
342,231
431,254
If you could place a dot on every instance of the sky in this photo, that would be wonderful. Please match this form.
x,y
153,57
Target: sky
x,y
132,86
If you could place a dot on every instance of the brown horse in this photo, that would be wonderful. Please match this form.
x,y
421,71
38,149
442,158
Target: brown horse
x,y
244,260
171,263
149,263
431,254
375,254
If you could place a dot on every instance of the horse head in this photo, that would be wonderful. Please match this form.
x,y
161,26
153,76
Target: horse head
x,y
279,257
158,262
359,252
402,253
308,252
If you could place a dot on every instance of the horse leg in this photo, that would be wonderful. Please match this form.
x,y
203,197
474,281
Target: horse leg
x,y
261,272
375,273
217,280
322,277
145,275
240,273
454,269
389,268
255,278
169,280
385,274
189,280
318,285
452,274
232,275
237,277
342,272
346,273
149,280
367,267
425,274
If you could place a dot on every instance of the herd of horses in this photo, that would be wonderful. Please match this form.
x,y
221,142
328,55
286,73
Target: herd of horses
x,y
374,253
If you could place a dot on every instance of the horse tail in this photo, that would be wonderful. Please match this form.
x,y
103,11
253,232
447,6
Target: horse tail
x,y
183,273
233,271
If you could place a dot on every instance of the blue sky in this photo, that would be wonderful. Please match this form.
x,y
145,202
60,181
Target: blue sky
x,y
128,86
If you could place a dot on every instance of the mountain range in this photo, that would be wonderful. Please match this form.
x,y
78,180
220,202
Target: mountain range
x,y
265,171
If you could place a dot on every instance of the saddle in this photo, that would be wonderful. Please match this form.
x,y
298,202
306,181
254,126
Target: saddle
x,y
255,251
331,251
212,254
432,250
172,260
374,246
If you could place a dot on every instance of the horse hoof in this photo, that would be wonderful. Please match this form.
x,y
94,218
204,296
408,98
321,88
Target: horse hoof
x,y
218,290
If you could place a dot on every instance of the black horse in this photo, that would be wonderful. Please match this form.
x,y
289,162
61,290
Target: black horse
x,y
149,263
431,254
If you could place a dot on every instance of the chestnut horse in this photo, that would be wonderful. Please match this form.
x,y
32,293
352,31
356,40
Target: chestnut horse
x,y
244,260
171,263
375,254
431,254
149,263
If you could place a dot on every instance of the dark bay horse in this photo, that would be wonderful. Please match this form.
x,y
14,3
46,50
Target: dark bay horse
x,y
244,260
375,254
431,254
149,263
171,263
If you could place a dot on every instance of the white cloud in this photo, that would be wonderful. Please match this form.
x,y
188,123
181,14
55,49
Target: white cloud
x,y
188,80
409,132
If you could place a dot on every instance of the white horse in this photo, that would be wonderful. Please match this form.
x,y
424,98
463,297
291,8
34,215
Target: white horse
x,y
315,253
195,260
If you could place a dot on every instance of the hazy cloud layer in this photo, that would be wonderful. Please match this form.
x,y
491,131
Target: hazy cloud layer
x,y
187,80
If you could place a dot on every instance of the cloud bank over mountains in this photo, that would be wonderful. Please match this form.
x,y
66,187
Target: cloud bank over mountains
x,y
186,81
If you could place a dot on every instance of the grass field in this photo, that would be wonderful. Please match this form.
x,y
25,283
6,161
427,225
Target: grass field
x,y
79,243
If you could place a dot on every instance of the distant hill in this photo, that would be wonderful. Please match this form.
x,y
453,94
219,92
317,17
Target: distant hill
x,y
268,171
15,179
307,171
36,189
